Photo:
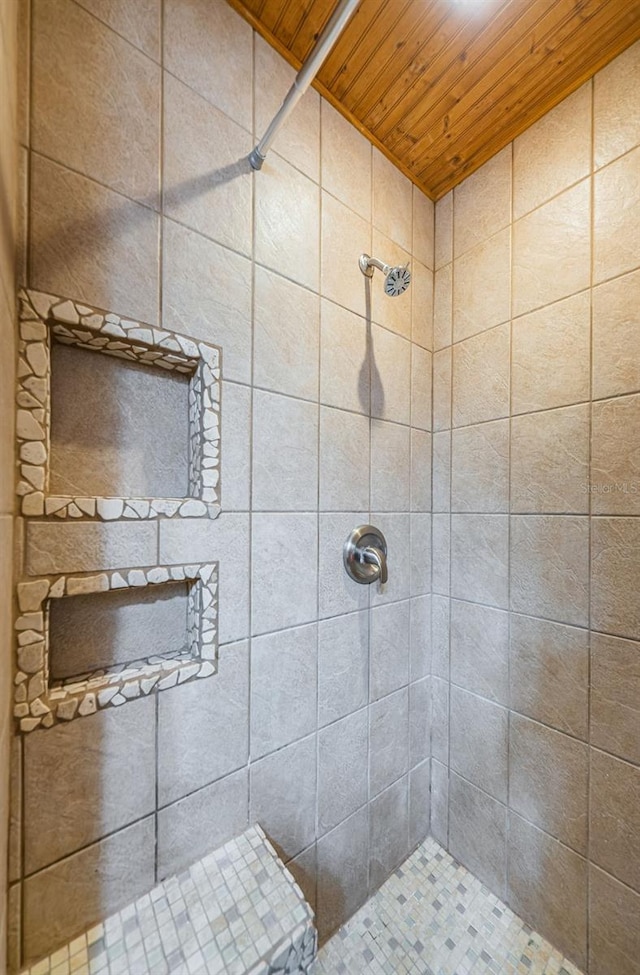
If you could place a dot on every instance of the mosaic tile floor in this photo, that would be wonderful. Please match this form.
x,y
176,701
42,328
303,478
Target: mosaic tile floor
x,y
433,917
236,912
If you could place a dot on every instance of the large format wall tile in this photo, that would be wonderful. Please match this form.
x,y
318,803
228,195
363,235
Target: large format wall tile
x,y
482,286
65,899
344,456
481,377
343,871
615,696
389,642
419,637
440,635
93,782
478,833
283,796
549,673
201,822
392,204
550,567
139,22
287,224
443,246
108,254
551,352
285,453
345,236
419,721
615,457
482,203
86,79
389,740
479,745
617,228
554,153
440,802
615,568
343,666
286,336
480,467
421,383
423,227
614,818
443,308
614,932
616,113
53,548
616,336
202,727
551,249
281,595
195,303
283,688
390,376
211,49
389,832
346,162
480,558
344,359
550,462
390,462
480,650
342,769
419,803
548,774
547,884
207,180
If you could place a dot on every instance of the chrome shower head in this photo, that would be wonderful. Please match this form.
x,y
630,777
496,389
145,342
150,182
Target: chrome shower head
x,y
397,279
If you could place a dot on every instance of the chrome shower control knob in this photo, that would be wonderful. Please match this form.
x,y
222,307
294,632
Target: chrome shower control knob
x,y
365,555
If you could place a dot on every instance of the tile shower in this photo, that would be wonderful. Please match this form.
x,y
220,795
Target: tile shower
x,y
489,695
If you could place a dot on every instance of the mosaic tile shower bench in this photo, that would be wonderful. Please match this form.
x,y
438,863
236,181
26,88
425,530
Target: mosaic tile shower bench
x,y
238,911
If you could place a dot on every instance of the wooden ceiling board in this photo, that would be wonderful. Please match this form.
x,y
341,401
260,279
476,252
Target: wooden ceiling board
x,y
440,86
523,104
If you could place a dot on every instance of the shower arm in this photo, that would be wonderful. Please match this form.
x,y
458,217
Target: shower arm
x,y
367,265
305,76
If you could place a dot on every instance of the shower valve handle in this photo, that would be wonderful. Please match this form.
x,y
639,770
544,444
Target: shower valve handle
x,y
365,555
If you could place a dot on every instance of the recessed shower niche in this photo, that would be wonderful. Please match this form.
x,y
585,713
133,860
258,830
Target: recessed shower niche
x,y
116,419
80,646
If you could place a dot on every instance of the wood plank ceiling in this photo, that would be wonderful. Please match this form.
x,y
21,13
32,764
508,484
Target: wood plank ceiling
x,y
441,85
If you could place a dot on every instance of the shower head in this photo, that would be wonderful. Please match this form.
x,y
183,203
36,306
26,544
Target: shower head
x,y
397,279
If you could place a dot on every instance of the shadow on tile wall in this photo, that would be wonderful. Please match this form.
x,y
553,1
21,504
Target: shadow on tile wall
x,y
536,480
135,123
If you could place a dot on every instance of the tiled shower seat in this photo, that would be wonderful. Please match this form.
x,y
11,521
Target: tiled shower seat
x,y
237,911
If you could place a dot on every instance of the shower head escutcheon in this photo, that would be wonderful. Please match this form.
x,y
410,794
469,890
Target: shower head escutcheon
x,y
397,279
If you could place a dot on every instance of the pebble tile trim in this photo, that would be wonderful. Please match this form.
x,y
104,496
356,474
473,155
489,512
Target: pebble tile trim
x,y
44,318
236,912
433,917
41,702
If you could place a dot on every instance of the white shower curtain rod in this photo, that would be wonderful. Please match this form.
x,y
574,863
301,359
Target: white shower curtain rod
x,y
305,76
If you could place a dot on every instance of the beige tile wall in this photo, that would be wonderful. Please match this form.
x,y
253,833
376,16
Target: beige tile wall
x,y
317,725
536,480
8,231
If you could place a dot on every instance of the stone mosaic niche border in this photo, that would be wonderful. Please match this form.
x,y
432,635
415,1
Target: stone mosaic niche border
x,y
44,318
41,703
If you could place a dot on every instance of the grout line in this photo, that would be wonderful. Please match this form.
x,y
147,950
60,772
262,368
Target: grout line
x,y
509,478
590,508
